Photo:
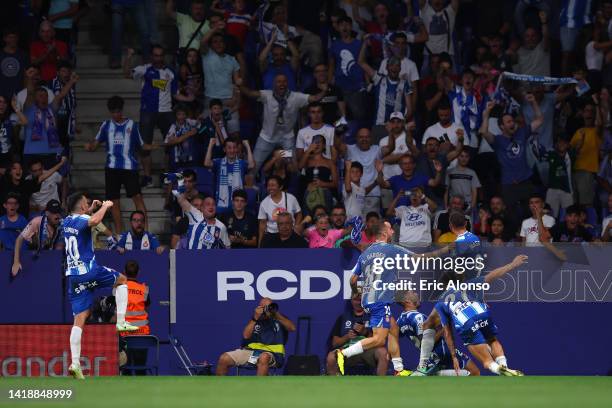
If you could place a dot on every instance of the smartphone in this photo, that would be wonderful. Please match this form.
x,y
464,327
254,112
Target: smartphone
x,y
287,154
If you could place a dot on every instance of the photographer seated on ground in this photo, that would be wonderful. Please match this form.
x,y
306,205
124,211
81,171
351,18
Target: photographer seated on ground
x,y
263,341
350,327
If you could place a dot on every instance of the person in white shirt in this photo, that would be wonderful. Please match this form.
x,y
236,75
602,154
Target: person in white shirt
x,y
275,203
440,24
354,192
367,154
415,219
403,133
280,113
535,229
316,127
447,132
49,188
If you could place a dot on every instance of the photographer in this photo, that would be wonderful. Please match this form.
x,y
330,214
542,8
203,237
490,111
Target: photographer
x,y
350,327
263,341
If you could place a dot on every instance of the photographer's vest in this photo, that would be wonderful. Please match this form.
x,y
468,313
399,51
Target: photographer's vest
x,y
268,335
136,313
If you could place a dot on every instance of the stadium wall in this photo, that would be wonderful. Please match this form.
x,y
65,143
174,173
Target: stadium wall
x,y
206,298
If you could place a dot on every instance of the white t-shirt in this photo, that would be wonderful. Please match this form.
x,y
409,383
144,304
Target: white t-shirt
x,y
529,228
305,135
440,27
604,224
355,201
390,170
408,70
271,131
48,190
415,227
368,161
269,210
438,131
593,58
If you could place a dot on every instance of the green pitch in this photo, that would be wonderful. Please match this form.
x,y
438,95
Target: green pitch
x,y
340,392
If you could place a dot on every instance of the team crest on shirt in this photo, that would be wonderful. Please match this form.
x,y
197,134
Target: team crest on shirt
x,y
160,84
208,237
145,244
348,324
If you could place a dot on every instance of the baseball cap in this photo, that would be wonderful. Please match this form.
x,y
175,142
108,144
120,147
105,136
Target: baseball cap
x,y
54,207
396,115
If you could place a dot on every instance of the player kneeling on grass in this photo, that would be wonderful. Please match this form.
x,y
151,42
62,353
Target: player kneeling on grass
x,y
410,324
85,275
470,316
263,341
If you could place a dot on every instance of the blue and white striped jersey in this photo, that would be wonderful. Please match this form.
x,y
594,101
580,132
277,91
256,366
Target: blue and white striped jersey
x,y
390,96
80,257
410,324
158,86
6,135
122,142
575,13
459,311
202,235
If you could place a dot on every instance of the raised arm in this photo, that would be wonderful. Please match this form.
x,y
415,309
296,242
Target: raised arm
x,y
484,127
57,101
538,119
99,215
380,178
47,173
502,270
208,162
263,55
393,204
16,268
433,182
370,72
22,118
249,152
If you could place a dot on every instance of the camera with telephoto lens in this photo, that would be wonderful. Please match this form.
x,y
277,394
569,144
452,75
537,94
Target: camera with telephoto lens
x,y
271,308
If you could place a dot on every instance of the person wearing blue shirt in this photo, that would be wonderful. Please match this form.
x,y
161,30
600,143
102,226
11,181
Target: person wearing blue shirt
x,y
137,239
377,297
229,171
273,61
84,274
408,179
11,223
511,150
122,139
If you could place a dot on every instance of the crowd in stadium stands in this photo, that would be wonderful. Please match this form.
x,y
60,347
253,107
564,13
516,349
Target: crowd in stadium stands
x,y
286,119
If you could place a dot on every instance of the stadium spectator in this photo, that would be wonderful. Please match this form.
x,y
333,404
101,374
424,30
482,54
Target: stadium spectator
x,y
467,106
350,327
320,175
191,80
180,141
497,208
11,223
463,181
559,192
214,126
62,14
15,182
47,51
242,227
237,17
277,201
439,20
190,179
533,57
122,140
316,127
570,230
441,224
606,225
286,236
263,341
13,63
511,150
415,218
200,229
333,103
137,239
449,134
41,233
229,171
32,81
139,300
159,86
66,113
273,60
9,140
498,235
280,113
338,216
138,14
536,229
321,235
354,193
426,165
49,187
587,142
191,27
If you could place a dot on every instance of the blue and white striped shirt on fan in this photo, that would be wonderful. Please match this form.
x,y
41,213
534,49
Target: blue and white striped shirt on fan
x,y
122,142
202,235
158,86
575,13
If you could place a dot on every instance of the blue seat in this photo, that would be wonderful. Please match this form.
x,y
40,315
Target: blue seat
x,y
206,180
142,343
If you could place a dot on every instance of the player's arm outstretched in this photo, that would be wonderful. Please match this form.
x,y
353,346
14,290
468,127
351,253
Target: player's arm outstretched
x,y
502,270
98,216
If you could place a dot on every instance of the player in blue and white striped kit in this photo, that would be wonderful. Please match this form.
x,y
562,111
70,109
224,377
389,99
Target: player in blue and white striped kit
x,y
410,324
85,275
375,299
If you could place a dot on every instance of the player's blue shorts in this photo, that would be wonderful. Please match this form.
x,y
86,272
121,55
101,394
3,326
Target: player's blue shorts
x,y
380,315
478,329
81,287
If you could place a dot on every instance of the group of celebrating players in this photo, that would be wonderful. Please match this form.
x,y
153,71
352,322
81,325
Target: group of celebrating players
x,y
433,335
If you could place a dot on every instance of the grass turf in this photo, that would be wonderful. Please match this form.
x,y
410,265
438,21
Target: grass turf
x,y
353,392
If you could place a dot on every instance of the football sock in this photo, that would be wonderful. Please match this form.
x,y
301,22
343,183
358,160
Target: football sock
x,y
501,360
121,298
494,367
353,350
75,344
427,344
398,364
